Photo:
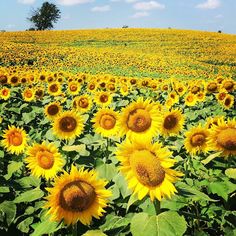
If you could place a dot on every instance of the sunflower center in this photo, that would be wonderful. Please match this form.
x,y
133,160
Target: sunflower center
x,y
228,85
77,196
91,86
212,87
170,122
195,90
67,124
45,159
147,168
28,94
54,88
222,96
227,101
107,121
227,139
5,92
73,87
198,139
103,98
53,109
83,102
15,138
139,120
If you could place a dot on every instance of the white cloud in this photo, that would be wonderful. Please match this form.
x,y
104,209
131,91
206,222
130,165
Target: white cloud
x,y
209,4
146,6
219,16
101,8
73,2
140,14
26,1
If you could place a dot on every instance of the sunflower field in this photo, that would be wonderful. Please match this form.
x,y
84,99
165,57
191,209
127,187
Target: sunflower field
x,y
117,132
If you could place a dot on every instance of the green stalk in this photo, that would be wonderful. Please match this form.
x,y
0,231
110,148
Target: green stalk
x,y
157,205
74,230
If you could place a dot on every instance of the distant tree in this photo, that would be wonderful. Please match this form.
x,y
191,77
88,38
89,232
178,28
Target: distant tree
x,y
125,26
219,31
44,17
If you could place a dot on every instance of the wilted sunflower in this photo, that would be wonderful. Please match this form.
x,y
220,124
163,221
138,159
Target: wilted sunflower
x,y
140,119
229,85
5,93
77,196
228,102
28,94
52,110
106,122
223,137
171,122
14,140
44,160
103,98
146,167
196,140
82,103
68,125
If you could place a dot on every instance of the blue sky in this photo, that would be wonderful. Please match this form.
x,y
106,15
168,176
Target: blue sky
x,y
209,15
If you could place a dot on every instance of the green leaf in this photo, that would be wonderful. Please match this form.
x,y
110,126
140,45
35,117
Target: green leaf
x,y
222,189
133,198
231,173
49,135
24,225
168,223
45,227
9,210
29,196
114,222
94,233
1,154
107,171
12,168
29,181
4,190
211,157
195,194
28,117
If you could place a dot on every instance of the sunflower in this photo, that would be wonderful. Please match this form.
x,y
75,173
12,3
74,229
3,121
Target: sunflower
x,y
190,99
39,92
196,140
77,196
228,102
52,110
54,89
5,93
211,87
211,121
223,137
146,167
14,140
174,97
44,160
106,122
229,85
28,94
140,119
124,90
201,96
82,103
103,98
221,95
68,125
171,122
92,86
73,88
14,80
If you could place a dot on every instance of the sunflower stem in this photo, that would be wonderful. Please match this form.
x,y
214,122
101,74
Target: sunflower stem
x,y
157,205
74,230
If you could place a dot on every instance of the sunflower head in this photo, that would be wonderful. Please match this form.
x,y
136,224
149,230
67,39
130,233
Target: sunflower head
x,y
146,167
68,125
171,122
5,93
82,103
140,119
77,196
14,140
223,137
44,160
52,110
106,122
28,94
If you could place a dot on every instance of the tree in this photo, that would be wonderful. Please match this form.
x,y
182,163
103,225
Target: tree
x,y
44,17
